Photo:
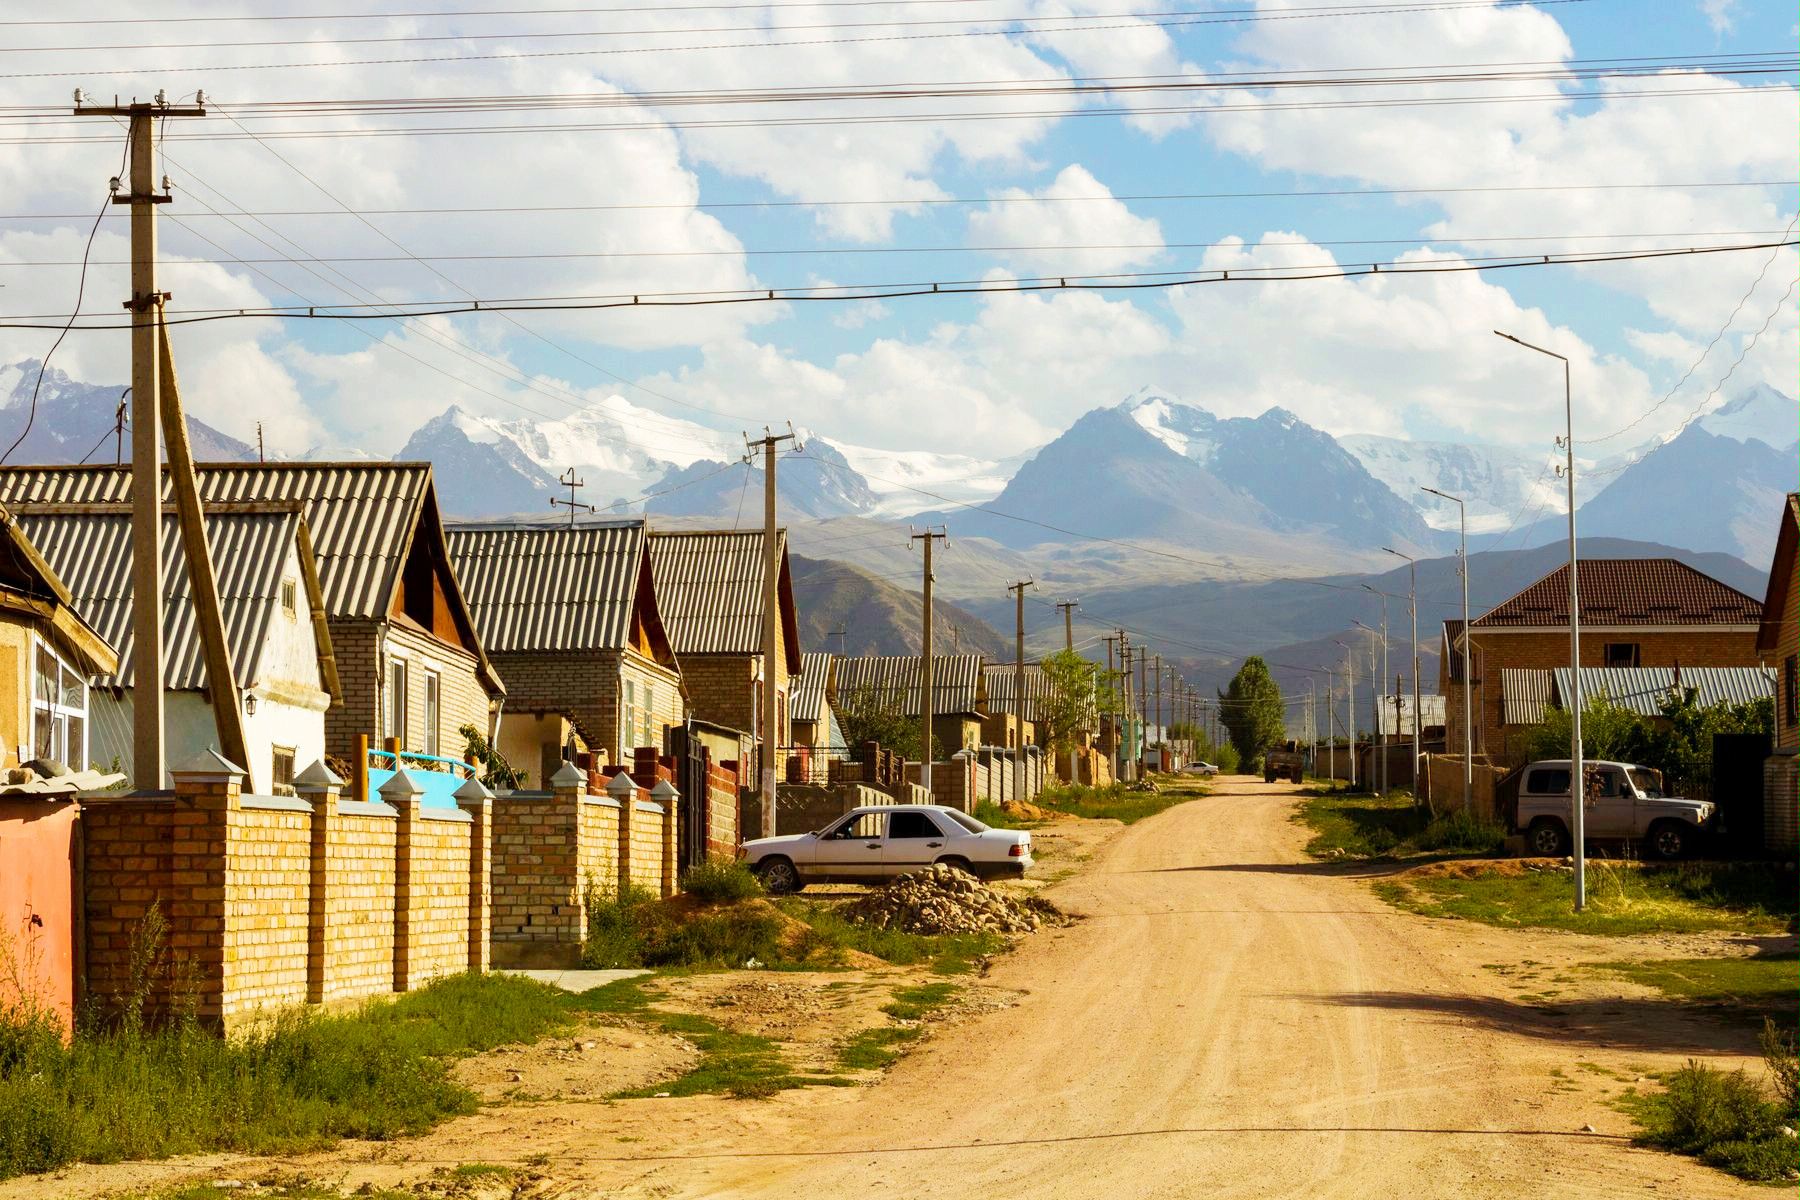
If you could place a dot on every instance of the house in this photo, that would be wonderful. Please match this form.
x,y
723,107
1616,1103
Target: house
x,y
813,723
958,692
47,655
1013,723
568,615
410,665
1635,612
272,605
1778,642
709,587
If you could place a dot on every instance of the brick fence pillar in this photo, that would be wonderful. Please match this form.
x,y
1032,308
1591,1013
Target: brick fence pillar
x,y
320,788
403,794
664,793
624,791
206,794
569,785
474,798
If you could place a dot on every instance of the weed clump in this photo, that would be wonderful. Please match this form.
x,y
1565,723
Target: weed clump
x,y
1722,1118
721,881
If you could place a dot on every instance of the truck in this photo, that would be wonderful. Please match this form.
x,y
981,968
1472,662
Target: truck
x,y
1284,762
1624,803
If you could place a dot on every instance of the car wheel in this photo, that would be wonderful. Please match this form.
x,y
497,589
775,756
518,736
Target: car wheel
x,y
1666,840
1268,777
961,864
779,878
1547,838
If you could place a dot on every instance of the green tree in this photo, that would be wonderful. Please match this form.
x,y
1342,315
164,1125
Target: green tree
x,y
1252,711
876,714
1074,694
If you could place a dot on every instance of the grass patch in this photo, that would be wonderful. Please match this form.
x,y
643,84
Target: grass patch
x,y
918,1003
298,1083
1116,802
878,1048
1767,986
638,929
286,1187
995,817
1725,1119
948,954
721,880
1623,898
1364,826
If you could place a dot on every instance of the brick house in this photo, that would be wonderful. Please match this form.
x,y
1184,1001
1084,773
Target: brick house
x,y
958,692
410,665
281,652
709,588
569,617
812,721
1778,641
1635,612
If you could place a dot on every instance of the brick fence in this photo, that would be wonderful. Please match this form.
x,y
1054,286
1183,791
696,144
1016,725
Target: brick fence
x,y
550,847
268,901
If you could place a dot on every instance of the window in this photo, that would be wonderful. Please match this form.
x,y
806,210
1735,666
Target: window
x,y
59,711
967,822
1621,654
912,825
859,825
649,717
1551,781
628,719
396,700
1790,678
281,770
290,597
432,706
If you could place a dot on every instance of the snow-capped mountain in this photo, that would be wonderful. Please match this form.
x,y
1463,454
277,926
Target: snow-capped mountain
x,y
1495,481
817,482
1758,413
905,482
76,422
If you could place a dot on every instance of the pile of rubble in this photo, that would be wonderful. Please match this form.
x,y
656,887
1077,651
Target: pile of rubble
x,y
942,899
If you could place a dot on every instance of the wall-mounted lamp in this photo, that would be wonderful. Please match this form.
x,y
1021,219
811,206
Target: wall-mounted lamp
x,y
249,704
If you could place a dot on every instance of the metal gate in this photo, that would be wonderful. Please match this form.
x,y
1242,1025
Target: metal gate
x,y
690,780
1737,789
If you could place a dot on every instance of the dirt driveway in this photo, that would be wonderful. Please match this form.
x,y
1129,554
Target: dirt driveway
x,y
1232,1020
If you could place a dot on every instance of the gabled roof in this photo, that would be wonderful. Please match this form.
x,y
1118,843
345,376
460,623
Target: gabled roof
x,y
31,586
92,553
956,681
1627,591
363,519
816,688
1781,576
709,585
999,683
548,587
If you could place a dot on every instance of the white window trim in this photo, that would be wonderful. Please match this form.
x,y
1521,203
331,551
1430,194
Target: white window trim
x,y
56,707
432,692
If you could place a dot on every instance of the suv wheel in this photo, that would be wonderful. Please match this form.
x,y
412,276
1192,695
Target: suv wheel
x,y
1547,838
1667,840
778,876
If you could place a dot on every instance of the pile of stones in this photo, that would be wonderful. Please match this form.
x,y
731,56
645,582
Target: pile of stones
x,y
943,899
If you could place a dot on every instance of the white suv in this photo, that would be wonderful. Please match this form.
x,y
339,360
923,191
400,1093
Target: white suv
x,y
1625,803
878,842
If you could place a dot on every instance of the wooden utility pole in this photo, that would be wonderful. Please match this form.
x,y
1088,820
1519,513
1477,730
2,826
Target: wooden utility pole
x,y
1162,731
1018,589
926,696
145,305
1143,695
1108,710
1068,608
771,732
1126,712
842,634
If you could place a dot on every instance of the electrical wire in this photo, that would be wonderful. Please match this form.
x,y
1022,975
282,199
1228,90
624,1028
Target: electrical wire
x,y
74,313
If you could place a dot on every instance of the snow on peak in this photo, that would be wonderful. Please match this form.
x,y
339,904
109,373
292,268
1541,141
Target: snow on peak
x,y
1758,413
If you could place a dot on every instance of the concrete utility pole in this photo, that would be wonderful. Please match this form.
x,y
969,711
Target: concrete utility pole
x,y
1312,723
842,634
1462,520
1126,766
927,698
1577,774
1382,780
1068,608
1018,590
1350,674
1143,691
1331,719
146,429
1156,686
1108,709
1412,609
771,730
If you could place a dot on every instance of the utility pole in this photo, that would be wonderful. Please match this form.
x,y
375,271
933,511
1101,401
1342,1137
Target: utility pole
x,y
119,430
842,634
1462,569
1018,589
260,456
1350,672
1312,723
1577,774
1412,608
926,695
1068,608
1143,691
1162,731
1109,710
771,732
146,429
1126,769
568,480
1331,719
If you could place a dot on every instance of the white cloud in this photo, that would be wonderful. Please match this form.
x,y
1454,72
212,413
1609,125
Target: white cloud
x,y
1720,14
1121,239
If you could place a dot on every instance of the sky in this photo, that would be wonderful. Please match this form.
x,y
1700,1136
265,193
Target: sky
x,y
630,183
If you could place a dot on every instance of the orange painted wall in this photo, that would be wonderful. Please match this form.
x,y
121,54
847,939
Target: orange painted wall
x,y
37,919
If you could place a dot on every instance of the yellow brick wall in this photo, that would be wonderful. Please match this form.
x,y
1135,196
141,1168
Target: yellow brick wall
x,y
646,849
438,929
537,879
358,925
599,845
268,885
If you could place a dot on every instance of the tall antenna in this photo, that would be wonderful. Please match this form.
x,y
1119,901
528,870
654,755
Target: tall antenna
x,y
569,481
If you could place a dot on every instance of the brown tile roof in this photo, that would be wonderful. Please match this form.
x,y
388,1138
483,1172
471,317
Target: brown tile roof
x,y
1628,591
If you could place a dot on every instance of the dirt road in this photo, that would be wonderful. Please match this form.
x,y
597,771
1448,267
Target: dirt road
x,y
1230,1020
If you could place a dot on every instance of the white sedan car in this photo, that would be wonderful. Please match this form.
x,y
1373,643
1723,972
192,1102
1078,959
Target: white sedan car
x,y
878,842
1199,768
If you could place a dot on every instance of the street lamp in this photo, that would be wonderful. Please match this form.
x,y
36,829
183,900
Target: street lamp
x,y
1377,779
1462,520
1577,777
1350,659
1386,775
1412,607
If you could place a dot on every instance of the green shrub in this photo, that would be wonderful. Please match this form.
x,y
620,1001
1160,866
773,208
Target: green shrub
x,y
639,930
1783,1064
1722,1118
1460,830
718,880
614,938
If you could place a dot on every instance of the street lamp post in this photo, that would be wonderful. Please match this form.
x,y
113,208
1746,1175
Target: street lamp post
x,y
1376,780
1577,776
1350,668
1462,520
1412,608
1386,776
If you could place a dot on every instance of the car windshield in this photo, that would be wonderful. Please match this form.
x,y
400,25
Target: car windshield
x,y
967,822
1647,782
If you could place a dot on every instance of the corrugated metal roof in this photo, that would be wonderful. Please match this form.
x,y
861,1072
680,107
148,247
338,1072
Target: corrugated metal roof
x,y
1432,703
709,586
92,554
813,688
1524,692
999,683
956,680
534,587
1628,591
361,515
1643,689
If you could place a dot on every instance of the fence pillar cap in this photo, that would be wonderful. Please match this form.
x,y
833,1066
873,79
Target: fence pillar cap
x,y
317,778
569,776
472,789
664,790
401,786
209,762
620,786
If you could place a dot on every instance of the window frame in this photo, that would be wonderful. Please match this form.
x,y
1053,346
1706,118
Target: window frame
x,y
398,680
59,713
894,825
433,710
277,785
1607,655
290,598
1790,677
